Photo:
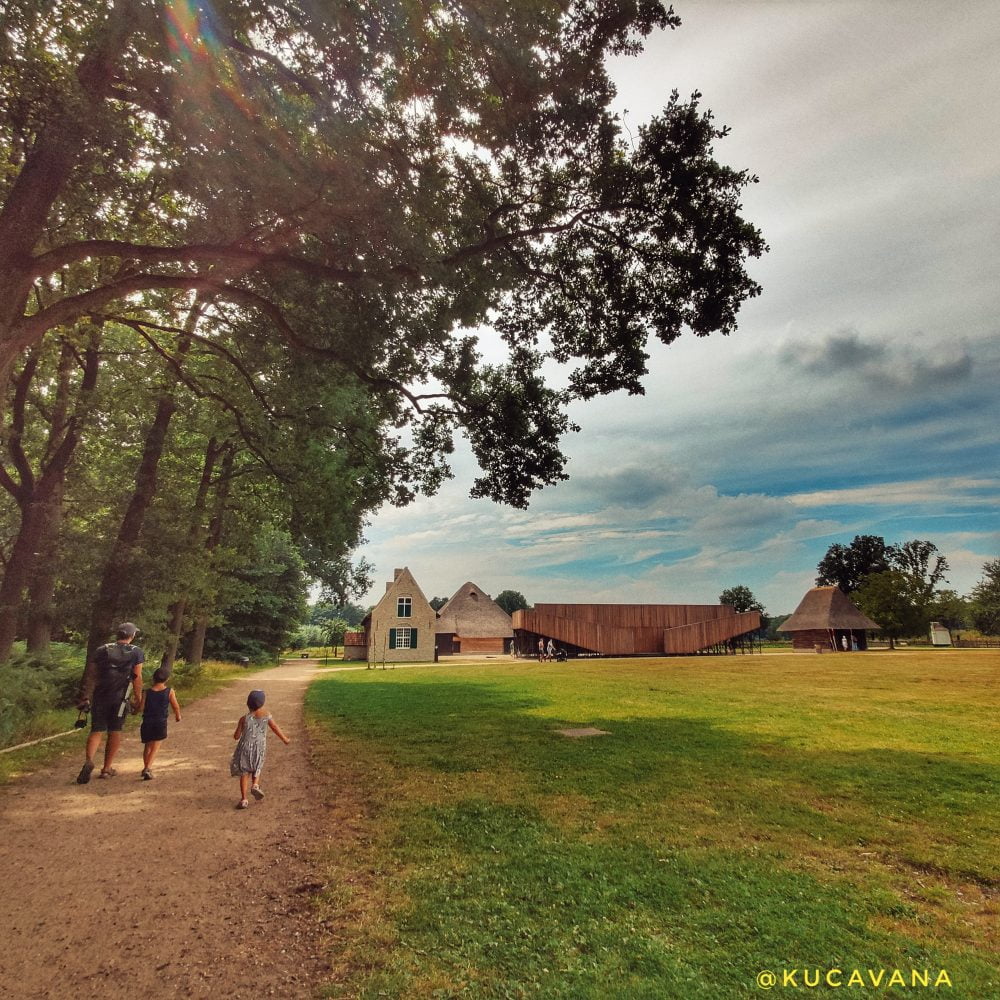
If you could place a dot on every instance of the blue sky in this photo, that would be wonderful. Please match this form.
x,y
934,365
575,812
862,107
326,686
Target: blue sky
x,y
861,393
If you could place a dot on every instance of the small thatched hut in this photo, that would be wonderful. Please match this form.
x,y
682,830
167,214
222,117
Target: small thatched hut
x,y
827,620
472,622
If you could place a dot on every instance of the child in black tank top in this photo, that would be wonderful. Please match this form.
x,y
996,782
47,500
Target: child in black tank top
x,y
157,701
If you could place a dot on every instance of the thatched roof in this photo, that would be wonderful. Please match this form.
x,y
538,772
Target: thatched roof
x,y
471,613
826,608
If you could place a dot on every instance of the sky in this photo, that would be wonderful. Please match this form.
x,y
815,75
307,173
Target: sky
x,y
861,392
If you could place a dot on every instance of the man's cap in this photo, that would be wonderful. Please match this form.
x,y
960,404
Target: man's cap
x,y
126,630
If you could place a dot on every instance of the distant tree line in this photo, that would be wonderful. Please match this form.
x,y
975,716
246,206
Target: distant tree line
x,y
899,586
896,586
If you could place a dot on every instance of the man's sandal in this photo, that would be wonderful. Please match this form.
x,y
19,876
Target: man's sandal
x,y
108,773
84,776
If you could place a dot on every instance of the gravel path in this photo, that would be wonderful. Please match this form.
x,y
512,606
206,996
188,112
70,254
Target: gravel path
x,y
161,888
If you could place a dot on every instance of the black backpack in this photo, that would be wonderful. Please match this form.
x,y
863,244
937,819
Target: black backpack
x,y
115,669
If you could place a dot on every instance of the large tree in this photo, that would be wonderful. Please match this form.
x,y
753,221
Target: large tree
x,y
986,599
741,598
847,566
511,601
892,598
368,182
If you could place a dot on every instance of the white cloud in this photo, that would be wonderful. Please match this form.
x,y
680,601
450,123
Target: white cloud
x,y
940,491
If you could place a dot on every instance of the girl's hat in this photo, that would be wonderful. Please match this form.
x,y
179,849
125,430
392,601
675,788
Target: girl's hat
x,y
255,700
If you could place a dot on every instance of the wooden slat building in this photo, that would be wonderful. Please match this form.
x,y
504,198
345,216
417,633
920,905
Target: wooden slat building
x,y
632,629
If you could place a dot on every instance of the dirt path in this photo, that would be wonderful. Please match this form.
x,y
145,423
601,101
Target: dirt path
x,y
161,888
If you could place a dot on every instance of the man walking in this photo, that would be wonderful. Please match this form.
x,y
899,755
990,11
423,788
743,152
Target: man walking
x,y
105,692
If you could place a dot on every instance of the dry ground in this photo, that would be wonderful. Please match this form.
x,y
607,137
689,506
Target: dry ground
x,y
161,888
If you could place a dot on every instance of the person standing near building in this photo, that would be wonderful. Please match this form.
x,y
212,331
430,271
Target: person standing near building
x,y
104,692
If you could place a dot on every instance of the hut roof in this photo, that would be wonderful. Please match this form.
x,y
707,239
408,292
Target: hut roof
x,y
826,607
472,613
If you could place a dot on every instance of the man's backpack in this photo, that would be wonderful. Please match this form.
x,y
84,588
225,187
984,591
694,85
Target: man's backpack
x,y
115,664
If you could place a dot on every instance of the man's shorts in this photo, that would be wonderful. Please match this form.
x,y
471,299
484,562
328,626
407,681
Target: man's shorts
x,y
104,717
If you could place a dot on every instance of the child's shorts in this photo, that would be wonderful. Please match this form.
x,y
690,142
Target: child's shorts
x,y
153,730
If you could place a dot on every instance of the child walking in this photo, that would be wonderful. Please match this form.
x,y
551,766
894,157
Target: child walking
x,y
251,746
155,704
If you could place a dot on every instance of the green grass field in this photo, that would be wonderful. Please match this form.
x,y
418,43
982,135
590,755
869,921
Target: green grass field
x,y
744,814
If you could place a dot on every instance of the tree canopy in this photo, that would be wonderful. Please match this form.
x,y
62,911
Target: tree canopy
x,y
846,566
248,251
511,601
986,599
369,182
895,585
741,598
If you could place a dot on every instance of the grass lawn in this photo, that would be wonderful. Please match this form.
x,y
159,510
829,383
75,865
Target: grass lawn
x,y
744,814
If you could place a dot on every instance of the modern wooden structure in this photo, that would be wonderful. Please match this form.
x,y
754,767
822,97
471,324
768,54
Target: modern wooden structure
x,y
633,629
827,620
472,622
400,628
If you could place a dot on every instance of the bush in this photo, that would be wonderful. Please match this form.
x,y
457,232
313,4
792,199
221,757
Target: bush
x,y
32,685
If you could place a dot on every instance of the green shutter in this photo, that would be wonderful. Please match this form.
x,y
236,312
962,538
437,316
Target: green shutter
x,y
413,638
392,638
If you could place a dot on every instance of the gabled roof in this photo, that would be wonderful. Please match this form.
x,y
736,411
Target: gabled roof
x,y
402,582
826,607
472,613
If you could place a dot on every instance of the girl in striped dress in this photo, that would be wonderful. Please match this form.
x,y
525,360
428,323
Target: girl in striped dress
x,y
251,747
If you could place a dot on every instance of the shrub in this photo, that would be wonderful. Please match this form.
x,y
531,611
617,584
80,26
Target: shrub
x,y
31,685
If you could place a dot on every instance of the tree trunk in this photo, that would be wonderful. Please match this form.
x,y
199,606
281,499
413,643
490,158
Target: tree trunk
x,y
196,646
17,577
41,589
115,578
40,497
174,635
212,451
109,601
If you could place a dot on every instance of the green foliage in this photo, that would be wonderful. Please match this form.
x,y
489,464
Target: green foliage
x,y
267,603
511,601
846,566
279,279
894,600
392,179
986,599
741,598
324,611
31,686
951,610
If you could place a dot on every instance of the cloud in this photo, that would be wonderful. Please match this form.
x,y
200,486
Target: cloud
x,y
949,491
885,365
629,487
